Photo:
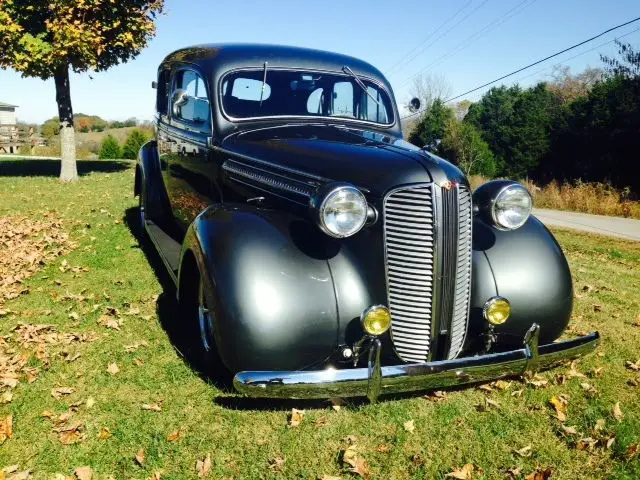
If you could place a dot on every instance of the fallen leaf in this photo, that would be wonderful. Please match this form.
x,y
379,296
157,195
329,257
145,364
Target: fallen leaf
x,y
104,433
586,443
295,417
337,403
569,430
597,308
26,474
617,412
140,457
74,316
409,426
330,477
524,451
154,407
277,463
560,406
203,467
633,366
137,362
71,434
83,473
155,476
384,448
7,397
6,428
487,404
437,396
59,392
174,436
464,473
90,402
113,368
514,472
541,474
632,451
502,384
600,424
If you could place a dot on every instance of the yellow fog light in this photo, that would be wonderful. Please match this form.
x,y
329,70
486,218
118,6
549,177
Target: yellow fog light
x,y
376,320
497,310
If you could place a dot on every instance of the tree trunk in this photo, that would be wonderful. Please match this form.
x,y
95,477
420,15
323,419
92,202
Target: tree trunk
x,y
68,171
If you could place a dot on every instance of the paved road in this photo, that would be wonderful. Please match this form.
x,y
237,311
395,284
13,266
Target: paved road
x,y
612,226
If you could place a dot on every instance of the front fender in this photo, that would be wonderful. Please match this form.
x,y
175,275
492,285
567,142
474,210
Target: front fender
x,y
528,267
149,181
270,286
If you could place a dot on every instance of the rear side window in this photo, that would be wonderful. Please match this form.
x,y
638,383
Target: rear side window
x,y
196,107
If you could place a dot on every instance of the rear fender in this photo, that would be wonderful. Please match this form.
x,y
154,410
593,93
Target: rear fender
x,y
270,287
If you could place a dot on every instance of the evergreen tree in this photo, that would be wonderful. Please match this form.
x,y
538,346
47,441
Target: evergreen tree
x,y
134,141
431,128
110,148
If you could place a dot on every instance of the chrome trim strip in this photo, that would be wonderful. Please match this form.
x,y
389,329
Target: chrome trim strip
x,y
266,178
358,382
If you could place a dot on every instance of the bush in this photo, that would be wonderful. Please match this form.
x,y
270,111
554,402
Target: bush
x,y
110,148
135,140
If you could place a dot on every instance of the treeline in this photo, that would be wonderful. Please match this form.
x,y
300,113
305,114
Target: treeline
x,y
85,123
574,127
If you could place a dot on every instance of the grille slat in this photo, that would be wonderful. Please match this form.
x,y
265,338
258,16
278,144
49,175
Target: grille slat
x,y
410,246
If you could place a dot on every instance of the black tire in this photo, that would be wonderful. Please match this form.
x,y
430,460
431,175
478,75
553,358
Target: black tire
x,y
200,343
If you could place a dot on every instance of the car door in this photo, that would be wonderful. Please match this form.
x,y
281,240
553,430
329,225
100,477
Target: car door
x,y
191,171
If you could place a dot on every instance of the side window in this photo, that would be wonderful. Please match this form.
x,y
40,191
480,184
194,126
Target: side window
x,y
195,108
162,99
342,103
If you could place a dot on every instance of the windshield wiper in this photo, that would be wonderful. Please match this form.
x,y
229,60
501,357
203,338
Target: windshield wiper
x,y
264,83
348,71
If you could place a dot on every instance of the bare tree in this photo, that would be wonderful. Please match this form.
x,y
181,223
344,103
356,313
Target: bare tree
x,y
461,109
428,88
569,86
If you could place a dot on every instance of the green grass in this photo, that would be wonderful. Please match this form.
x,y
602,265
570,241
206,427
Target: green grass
x,y
243,436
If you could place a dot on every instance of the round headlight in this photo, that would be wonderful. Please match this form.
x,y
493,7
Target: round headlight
x,y
343,211
376,320
512,207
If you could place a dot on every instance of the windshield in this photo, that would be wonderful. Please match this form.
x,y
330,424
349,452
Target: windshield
x,y
252,93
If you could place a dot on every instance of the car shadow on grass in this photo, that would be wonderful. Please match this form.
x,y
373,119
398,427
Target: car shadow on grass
x,y
26,167
168,310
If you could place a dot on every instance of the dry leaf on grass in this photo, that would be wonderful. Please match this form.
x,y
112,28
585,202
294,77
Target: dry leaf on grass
x,y
541,474
277,463
15,475
384,448
153,407
295,417
633,366
617,412
59,392
463,473
140,457
409,426
113,368
337,403
560,404
524,451
203,467
155,476
6,428
569,430
68,435
90,402
487,404
83,473
174,436
104,433
437,396
632,451
330,477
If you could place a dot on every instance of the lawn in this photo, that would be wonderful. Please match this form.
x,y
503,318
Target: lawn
x,y
102,385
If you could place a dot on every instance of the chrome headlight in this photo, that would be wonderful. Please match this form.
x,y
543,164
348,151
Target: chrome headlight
x,y
511,207
341,211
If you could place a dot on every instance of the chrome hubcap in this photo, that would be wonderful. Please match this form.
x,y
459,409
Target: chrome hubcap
x,y
205,320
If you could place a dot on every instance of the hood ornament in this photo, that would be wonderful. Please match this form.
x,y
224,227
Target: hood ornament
x,y
448,185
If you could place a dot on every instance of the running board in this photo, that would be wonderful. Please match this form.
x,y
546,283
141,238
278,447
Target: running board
x,y
168,249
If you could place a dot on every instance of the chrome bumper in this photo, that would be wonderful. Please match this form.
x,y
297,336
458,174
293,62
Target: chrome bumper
x,y
377,380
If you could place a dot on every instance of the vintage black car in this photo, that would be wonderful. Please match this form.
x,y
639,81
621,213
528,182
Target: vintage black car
x,y
318,254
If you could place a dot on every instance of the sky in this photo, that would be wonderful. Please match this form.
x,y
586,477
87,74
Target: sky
x,y
467,42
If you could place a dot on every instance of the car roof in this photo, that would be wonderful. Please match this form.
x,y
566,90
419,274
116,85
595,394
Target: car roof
x,y
220,58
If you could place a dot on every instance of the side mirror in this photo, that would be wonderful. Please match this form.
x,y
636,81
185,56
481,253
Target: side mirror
x,y
414,105
180,97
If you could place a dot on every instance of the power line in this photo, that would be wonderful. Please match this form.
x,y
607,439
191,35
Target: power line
x,y
447,31
476,36
399,62
578,55
533,64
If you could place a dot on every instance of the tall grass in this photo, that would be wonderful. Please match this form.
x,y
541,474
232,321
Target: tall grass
x,y
595,198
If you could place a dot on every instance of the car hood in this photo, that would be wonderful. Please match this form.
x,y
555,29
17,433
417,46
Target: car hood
x,y
369,160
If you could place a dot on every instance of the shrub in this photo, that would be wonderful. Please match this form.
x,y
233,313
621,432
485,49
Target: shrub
x,y
135,140
110,148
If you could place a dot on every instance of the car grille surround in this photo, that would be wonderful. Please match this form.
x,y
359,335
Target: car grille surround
x,y
427,234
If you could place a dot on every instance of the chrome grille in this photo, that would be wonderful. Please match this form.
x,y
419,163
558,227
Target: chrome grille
x,y
462,291
409,248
